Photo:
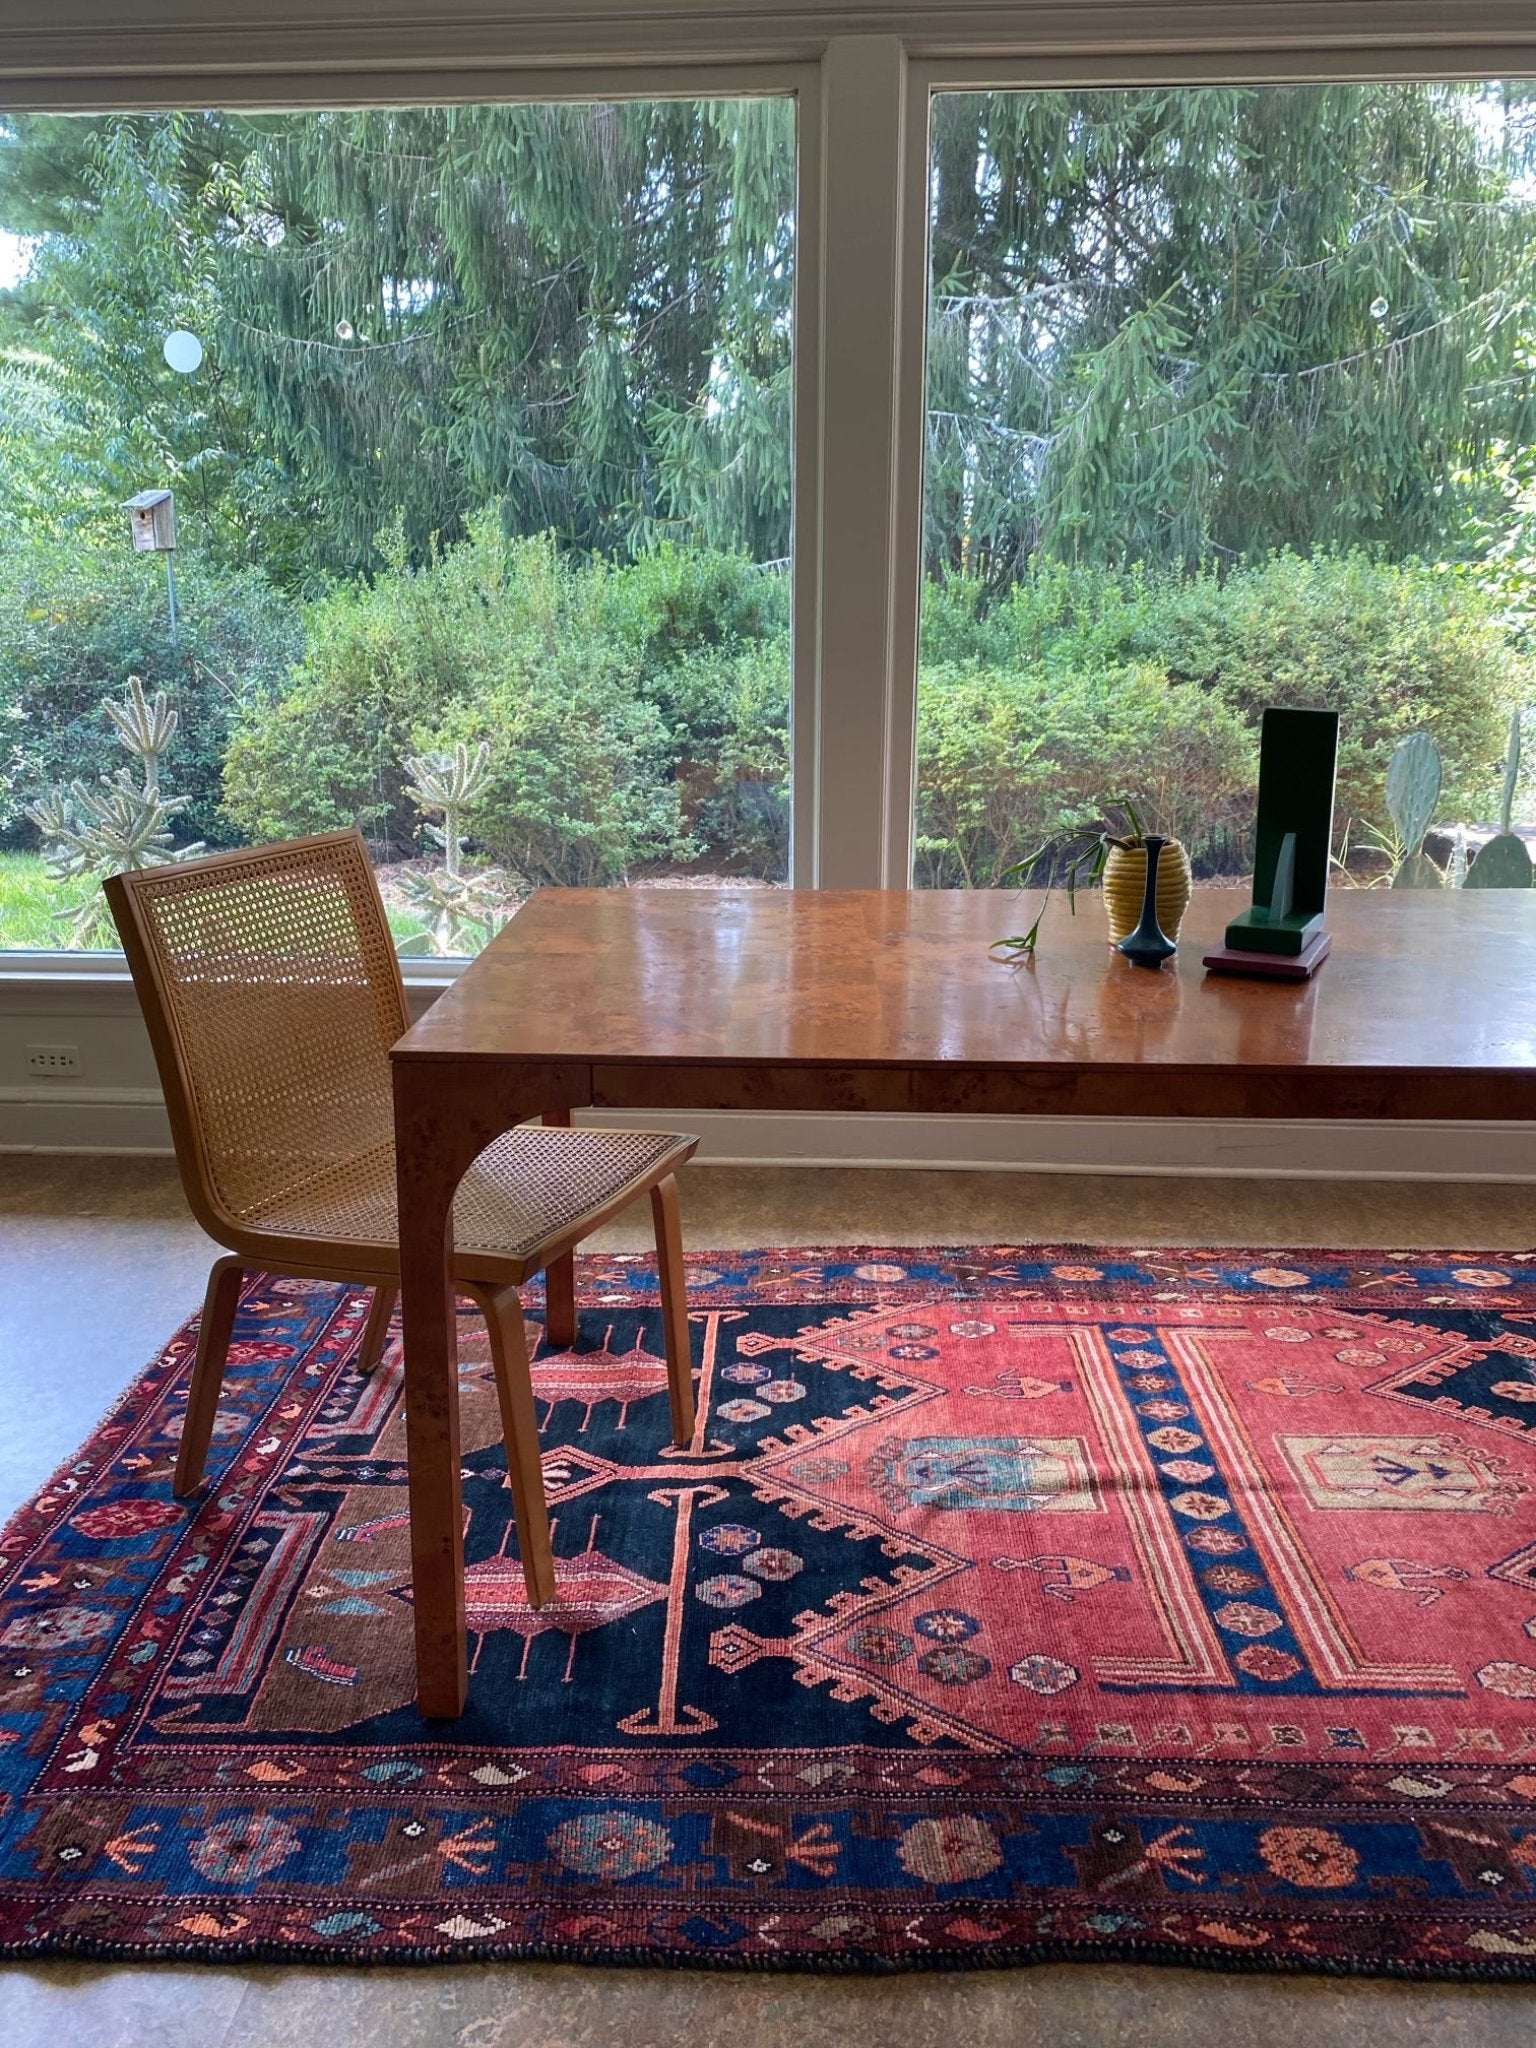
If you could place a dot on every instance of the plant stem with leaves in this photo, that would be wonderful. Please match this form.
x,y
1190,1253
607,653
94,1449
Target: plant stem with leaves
x,y
120,825
460,911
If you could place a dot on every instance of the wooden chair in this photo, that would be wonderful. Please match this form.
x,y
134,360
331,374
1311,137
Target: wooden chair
x,y
272,993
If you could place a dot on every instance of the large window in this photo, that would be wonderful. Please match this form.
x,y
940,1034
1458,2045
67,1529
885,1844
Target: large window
x,y
475,424
1231,402
480,432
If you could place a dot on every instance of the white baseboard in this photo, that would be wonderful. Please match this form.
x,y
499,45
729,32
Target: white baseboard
x,y
59,1117
1132,1145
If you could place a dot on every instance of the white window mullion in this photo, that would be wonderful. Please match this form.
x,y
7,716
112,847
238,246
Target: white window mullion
x,y
859,578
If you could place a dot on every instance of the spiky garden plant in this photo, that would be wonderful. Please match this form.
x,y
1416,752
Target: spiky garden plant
x,y
1505,862
1413,789
460,911
121,824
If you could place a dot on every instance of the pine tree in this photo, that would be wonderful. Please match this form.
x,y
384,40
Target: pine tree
x,y
1169,325
1184,326
581,313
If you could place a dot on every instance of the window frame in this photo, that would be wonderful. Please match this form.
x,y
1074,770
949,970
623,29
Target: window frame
x,y
1357,63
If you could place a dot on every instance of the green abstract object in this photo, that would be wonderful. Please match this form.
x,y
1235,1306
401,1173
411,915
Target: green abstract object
x,y
1505,862
1298,754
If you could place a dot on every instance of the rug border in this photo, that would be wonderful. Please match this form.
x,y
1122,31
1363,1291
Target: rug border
x,y
840,1963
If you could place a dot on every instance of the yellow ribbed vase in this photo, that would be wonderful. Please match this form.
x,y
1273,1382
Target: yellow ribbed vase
x,y
1125,880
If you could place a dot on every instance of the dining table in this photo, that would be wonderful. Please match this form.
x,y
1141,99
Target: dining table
x,y
879,1002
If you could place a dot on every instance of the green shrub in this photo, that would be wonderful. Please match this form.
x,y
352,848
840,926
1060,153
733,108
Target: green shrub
x,y
678,602
639,714
494,639
76,621
1070,618
381,664
1045,672
1394,648
577,791
631,712
1005,757
728,712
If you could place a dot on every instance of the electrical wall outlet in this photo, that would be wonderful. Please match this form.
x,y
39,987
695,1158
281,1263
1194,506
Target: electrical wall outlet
x,y
53,1059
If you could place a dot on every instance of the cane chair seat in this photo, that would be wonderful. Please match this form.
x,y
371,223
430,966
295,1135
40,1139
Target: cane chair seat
x,y
531,1190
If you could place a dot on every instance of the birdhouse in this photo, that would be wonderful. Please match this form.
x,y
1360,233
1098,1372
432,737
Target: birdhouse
x,y
152,522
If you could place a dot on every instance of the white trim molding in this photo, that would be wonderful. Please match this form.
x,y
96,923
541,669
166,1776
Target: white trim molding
x,y
80,55
58,1117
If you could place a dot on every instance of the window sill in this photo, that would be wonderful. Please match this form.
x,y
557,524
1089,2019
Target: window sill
x,y
99,984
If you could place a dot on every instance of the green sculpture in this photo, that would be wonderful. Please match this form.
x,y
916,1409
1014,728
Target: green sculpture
x,y
1298,755
1505,862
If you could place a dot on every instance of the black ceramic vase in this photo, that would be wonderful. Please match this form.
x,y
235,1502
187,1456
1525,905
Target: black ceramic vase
x,y
1149,945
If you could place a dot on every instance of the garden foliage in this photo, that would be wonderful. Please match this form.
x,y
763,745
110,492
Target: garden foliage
x,y
76,620
1079,681
636,714
633,714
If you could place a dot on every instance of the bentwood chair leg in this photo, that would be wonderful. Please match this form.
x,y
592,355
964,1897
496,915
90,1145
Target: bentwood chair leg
x,y
560,1303
376,1329
503,1314
213,1333
674,1306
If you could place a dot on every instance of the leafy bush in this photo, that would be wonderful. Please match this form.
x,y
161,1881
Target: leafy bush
x,y
76,621
1004,758
381,664
1394,648
639,714
578,789
678,602
630,712
1067,618
728,709
1079,682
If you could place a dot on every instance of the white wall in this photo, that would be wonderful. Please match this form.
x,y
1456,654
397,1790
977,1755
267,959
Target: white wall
x,y
114,1105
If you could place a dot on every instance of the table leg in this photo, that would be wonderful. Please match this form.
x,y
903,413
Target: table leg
x,y
559,1274
428,1169
446,1112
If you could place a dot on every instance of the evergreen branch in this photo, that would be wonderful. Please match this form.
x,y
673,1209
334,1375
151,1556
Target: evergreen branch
x,y
316,346
1396,345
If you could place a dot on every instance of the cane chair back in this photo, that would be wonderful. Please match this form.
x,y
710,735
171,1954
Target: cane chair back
x,y
272,995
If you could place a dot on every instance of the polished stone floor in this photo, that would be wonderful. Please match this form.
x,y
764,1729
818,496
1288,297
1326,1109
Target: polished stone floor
x,y
99,1261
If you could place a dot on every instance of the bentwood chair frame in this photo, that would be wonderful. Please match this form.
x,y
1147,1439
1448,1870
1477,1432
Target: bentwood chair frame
x,y
272,994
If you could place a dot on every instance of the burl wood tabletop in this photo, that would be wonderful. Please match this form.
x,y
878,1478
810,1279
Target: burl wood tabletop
x,y
889,999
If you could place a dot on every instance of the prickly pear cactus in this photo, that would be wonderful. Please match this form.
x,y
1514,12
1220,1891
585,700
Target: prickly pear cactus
x,y
1505,862
1418,871
1413,790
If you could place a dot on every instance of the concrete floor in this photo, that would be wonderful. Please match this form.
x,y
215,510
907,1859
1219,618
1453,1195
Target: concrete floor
x,y
99,1261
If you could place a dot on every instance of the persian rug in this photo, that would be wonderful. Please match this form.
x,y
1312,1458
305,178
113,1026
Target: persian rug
x,y
1008,1604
